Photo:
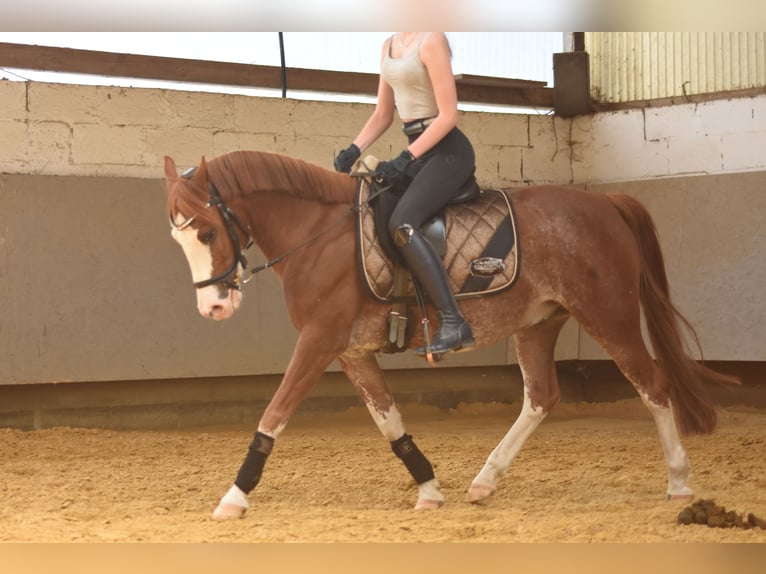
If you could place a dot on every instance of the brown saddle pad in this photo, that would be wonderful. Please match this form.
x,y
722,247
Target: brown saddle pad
x,y
470,227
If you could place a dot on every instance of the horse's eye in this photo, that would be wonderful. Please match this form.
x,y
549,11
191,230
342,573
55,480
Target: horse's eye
x,y
206,237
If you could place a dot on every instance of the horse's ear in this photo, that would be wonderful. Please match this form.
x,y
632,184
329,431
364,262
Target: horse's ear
x,y
202,170
170,168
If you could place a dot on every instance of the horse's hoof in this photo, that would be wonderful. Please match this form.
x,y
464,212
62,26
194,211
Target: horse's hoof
x,y
428,504
478,492
226,511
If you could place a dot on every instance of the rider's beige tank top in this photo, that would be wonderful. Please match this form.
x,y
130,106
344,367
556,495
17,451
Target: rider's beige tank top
x,y
408,77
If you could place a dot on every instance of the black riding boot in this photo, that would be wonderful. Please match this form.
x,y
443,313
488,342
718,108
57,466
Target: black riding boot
x,y
454,333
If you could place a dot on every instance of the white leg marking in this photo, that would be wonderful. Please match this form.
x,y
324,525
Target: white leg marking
x,y
391,426
429,495
390,422
275,432
234,504
675,456
502,456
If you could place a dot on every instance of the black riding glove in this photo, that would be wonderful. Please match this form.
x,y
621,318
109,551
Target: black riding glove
x,y
399,171
346,158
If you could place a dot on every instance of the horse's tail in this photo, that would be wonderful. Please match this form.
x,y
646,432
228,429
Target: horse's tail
x,y
687,379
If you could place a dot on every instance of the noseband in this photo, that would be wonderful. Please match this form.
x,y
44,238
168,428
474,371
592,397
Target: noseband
x,y
229,279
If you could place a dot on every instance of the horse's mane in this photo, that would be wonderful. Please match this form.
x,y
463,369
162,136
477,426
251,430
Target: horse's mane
x,y
245,172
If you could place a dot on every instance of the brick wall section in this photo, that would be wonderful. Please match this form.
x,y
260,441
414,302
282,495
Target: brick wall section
x,y
58,129
717,137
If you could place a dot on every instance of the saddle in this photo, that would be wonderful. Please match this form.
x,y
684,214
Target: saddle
x,y
475,235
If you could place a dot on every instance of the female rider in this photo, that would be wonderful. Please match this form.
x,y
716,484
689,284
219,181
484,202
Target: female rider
x,y
416,79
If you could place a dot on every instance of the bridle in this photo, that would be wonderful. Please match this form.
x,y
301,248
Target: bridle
x,y
230,278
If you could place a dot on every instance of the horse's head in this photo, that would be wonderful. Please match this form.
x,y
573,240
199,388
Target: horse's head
x,y
211,237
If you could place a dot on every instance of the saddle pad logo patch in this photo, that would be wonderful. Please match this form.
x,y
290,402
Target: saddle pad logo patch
x,y
486,267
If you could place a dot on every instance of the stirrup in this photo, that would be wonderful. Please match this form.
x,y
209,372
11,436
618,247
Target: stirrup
x,y
464,343
430,357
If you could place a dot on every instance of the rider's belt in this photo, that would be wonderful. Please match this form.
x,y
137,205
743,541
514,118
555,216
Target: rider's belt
x,y
417,126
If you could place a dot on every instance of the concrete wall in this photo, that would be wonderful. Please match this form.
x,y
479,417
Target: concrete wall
x,y
700,169
94,289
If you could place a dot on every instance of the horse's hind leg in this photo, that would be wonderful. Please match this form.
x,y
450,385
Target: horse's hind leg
x,y
618,331
534,349
676,460
648,379
367,377
641,370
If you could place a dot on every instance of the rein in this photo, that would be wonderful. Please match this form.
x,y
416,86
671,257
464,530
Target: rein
x,y
302,244
351,211
338,221
230,219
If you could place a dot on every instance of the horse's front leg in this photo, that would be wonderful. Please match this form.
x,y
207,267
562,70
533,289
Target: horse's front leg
x,y
309,360
367,377
535,351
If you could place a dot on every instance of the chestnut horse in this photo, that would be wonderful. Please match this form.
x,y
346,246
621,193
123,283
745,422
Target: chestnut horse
x,y
589,256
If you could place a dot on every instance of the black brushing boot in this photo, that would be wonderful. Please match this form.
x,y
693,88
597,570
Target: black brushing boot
x,y
454,333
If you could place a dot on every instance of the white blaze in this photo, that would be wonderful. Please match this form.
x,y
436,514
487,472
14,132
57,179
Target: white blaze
x,y
200,259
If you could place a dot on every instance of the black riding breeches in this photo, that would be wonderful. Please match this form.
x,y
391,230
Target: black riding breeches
x,y
444,169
